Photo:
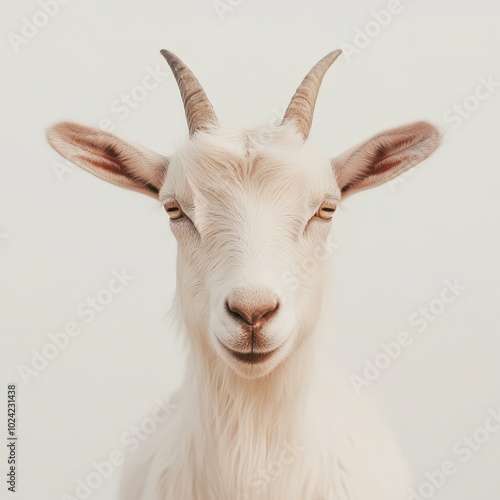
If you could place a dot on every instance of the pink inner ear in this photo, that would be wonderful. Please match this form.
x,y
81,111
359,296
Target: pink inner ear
x,y
387,164
100,154
95,144
101,162
387,155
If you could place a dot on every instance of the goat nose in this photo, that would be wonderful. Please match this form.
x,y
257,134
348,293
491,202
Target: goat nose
x,y
251,312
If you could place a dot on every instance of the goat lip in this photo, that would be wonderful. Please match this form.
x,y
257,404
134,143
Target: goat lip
x,y
250,357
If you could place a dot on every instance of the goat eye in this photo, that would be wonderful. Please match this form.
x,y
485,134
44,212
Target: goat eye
x,y
174,210
326,210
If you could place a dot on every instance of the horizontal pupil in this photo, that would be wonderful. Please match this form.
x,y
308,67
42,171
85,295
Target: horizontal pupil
x,y
173,209
328,209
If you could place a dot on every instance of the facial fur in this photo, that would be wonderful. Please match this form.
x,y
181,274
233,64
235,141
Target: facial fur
x,y
249,219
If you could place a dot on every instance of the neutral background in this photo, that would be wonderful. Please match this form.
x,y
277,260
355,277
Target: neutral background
x,y
63,232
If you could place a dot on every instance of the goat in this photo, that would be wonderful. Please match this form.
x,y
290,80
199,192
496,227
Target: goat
x,y
258,415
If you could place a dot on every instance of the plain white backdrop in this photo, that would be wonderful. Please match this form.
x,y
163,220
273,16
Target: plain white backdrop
x,y
63,232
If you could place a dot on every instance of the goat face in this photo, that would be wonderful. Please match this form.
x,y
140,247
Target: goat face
x,y
246,214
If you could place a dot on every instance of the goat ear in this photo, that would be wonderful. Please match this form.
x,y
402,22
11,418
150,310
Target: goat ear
x,y
110,158
385,156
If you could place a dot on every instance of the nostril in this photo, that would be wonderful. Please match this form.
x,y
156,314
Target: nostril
x,y
265,312
252,315
236,311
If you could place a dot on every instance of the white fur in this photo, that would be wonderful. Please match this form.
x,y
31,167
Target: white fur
x,y
229,427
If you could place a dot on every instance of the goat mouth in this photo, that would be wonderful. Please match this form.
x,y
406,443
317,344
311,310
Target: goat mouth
x,y
250,357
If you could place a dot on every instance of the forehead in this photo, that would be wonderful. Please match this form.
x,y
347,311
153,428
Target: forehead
x,y
269,164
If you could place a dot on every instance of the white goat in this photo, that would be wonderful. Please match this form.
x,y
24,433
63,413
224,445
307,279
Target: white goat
x,y
257,418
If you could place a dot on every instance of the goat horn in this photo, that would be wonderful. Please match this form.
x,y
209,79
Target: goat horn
x,y
199,112
301,107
